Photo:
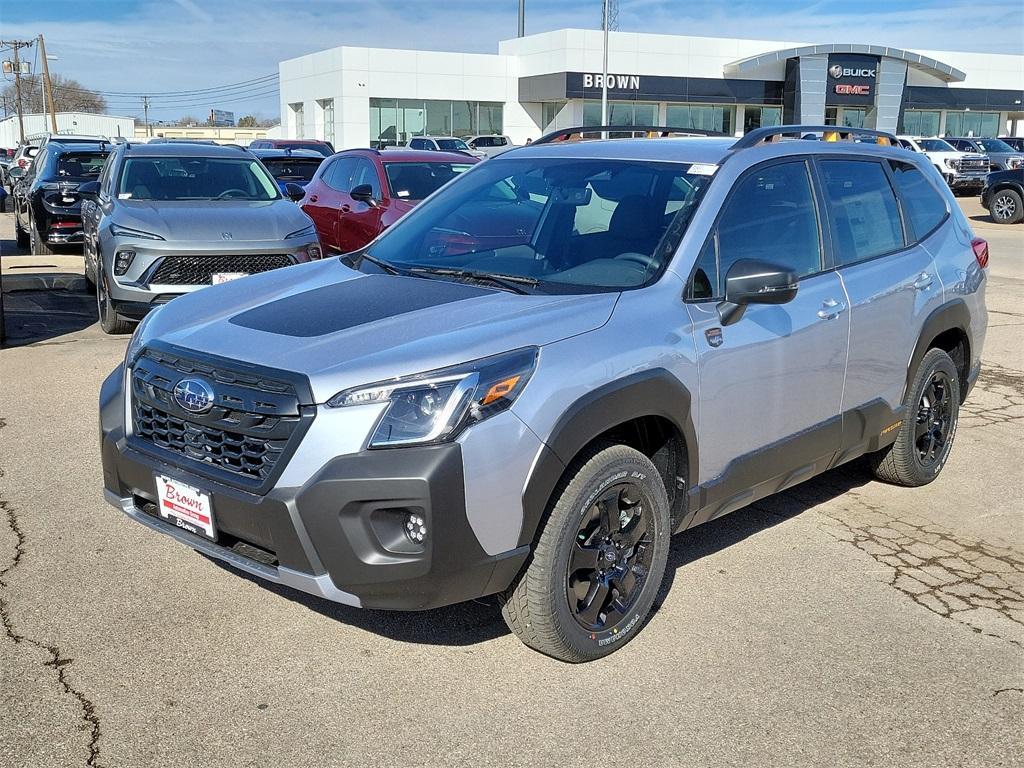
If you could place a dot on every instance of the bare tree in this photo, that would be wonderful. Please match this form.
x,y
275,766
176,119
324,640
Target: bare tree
x,y
68,95
613,16
247,121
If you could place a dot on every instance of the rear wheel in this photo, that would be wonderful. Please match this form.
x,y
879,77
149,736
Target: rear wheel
x,y
1005,207
20,235
599,561
925,438
37,245
110,321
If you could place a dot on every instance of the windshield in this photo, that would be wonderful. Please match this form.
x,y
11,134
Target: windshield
x,y
195,178
994,145
292,168
452,145
572,225
935,145
415,181
80,165
312,146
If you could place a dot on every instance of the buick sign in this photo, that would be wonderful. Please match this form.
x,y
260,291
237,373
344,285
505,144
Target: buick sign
x,y
837,72
193,395
851,79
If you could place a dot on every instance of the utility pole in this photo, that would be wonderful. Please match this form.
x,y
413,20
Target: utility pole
x,y
16,45
49,85
145,109
522,18
604,79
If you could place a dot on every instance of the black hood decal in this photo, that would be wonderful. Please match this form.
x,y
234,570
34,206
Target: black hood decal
x,y
350,303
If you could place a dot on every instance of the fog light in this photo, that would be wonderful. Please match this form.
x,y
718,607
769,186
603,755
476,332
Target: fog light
x,y
416,528
123,261
314,252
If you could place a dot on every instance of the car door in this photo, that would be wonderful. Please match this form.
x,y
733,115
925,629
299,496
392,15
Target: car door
x,y
771,383
324,199
889,278
358,222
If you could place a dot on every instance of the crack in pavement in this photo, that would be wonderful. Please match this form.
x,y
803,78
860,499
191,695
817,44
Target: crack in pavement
x,y
972,582
57,660
1002,399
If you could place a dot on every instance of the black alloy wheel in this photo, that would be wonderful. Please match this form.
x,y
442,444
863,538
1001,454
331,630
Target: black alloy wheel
x,y
934,419
610,560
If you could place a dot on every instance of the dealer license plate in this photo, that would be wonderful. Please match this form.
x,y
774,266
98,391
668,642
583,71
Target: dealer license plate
x,y
186,507
226,277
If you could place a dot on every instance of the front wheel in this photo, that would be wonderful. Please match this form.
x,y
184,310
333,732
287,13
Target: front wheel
x,y
110,321
1006,207
931,407
599,561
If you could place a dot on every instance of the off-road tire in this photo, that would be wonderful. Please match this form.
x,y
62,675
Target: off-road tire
x,y
901,463
536,607
1009,206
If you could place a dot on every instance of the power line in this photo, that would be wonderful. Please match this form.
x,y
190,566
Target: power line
x,y
264,80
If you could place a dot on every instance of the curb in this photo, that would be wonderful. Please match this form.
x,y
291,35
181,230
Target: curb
x,y
51,282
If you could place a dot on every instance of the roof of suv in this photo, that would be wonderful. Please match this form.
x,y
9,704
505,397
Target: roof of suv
x,y
689,149
402,155
185,149
97,145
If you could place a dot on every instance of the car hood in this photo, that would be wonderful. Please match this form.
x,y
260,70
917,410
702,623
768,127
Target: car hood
x,y
205,220
342,328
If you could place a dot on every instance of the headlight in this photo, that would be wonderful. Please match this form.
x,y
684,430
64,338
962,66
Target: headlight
x,y
435,407
118,231
137,341
304,232
950,163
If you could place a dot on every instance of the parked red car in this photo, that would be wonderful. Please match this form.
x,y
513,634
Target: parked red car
x,y
357,194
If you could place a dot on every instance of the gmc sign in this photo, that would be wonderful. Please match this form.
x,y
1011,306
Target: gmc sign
x,y
851,79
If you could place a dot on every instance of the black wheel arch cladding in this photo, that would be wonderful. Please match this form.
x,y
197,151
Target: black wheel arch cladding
x,y
951,316
652,393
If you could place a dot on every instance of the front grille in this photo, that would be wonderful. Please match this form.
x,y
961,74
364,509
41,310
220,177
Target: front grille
x,y
247,432
199,270
972,165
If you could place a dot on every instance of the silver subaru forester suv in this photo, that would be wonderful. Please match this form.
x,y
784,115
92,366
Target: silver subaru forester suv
x,y
558,360
169,218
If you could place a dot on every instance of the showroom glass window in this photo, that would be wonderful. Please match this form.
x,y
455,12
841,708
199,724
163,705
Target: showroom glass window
x,y
923,205
621,113
706,117
865,218
972,124
920,122
394,121
327,109
770,215
299,119
761,117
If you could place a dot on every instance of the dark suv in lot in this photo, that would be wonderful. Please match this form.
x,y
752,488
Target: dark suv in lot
x,y
47,205
671,330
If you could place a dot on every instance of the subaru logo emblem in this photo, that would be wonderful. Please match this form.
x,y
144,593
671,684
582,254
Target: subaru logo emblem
x,y
193,395
226,235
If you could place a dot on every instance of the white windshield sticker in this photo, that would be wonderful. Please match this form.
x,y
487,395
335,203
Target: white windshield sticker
x,y
703,169
124,195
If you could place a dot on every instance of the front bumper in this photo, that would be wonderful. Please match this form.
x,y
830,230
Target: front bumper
x,y
960,180
340,534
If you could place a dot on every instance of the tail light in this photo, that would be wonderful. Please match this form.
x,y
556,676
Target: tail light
x,y
22,162
980,247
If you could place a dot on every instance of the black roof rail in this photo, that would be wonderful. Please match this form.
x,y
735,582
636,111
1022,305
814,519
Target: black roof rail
x,y
566,134
828,133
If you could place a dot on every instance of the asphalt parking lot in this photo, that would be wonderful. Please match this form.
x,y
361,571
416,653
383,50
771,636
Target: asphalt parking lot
x,y
844,622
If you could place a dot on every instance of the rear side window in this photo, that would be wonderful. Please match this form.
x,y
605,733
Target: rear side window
x,y
923,206
865,218
339,175
771,216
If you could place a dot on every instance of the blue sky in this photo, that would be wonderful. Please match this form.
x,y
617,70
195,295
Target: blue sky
x,y
129,46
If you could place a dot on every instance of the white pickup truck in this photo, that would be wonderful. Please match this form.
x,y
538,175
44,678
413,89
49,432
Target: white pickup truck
x,y
961,170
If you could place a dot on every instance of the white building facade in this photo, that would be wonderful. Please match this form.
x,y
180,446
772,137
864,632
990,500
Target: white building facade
x,y
38,125
358,97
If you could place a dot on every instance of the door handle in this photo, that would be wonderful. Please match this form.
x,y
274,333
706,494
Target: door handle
x,y
923,282
831,309
312,198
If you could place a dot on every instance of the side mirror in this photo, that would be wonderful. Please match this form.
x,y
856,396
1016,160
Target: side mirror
x,y
364,194
751,281
294,191
89,190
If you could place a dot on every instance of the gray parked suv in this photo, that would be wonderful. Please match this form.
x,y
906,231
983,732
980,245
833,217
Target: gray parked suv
x,y
169,218
552,364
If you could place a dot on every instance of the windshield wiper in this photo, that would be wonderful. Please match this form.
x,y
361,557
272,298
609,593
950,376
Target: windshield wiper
x,y
512,283
389,268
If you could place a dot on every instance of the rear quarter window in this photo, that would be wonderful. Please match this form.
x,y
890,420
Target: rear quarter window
x,y
924,207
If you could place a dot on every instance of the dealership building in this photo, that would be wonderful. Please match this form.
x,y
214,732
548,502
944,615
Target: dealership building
x,y
357,97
